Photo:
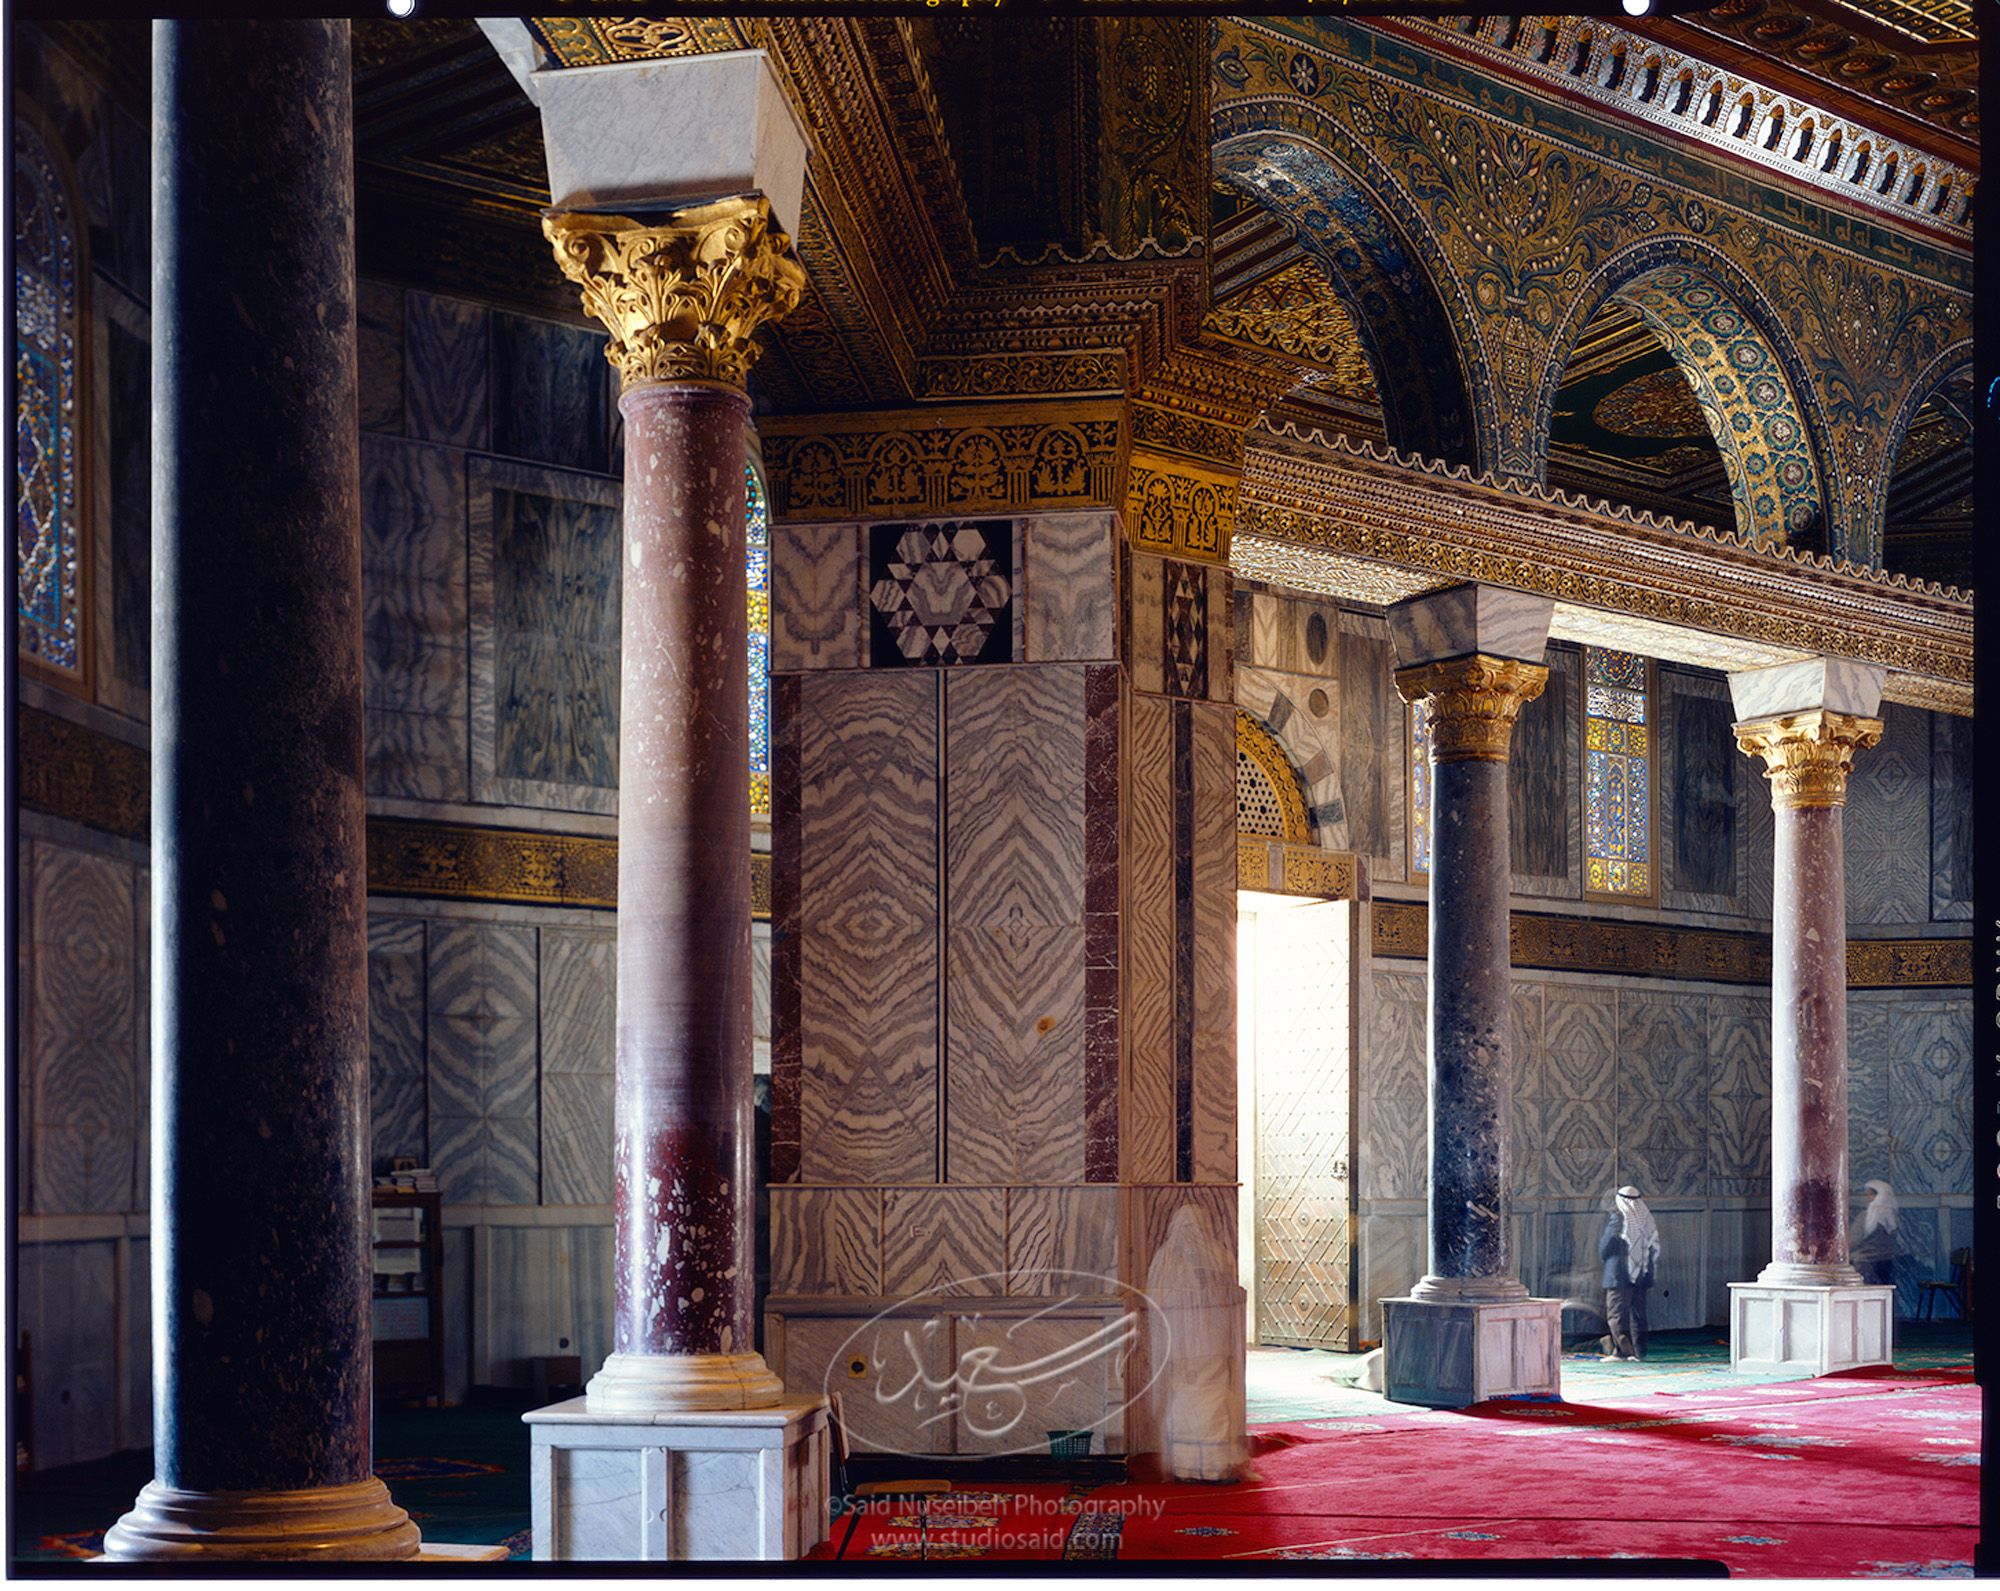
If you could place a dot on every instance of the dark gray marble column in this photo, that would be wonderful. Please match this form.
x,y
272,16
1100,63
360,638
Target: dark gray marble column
x,y
682,1162
1472,703
260,1029
1809,755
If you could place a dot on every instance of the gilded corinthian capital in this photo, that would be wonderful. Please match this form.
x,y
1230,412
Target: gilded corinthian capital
x,y
1808,755
682,298
1472,703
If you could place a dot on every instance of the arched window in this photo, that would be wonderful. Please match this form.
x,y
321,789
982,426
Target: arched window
x,y
48,543
757,556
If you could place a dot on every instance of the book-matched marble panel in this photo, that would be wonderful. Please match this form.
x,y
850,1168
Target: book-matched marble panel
x,y
482,1045
826,1240
1951,817
1394,1088
413,619
1060,1240
1544,817
1014,870
579,982
396,1017
868,926
1069,589
1103,845
817,600
83,1075
1146,1106
1145,633
1214,926
142,1040
1375,751
551,393
378,347
1889,854
949,1240
444,371
1701,774
872,1365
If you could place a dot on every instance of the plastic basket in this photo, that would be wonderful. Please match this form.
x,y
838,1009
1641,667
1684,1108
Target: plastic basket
x,y
1070,1444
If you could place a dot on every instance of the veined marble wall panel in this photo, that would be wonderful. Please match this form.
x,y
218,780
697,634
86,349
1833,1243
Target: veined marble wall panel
x,y
951,1240
1145,623
84,1002
1014,966
1544,816
826,1240
1393,1156
1146,1114
378,342
1214,925
881,1415
482,1044
136,1420
1392,1256
1921,1048
1757,836
1888,850
1951,817
1576,1108
816,597
1739,1096
1662,1094
1058,1237
546,1283
396,1047
444,371
66,1304
142,1039
1078,1400
1069,589
413,574
544,575
1375,751
578,1007
868,954
551,393
1702,782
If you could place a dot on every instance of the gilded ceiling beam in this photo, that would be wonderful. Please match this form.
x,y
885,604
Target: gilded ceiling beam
x,y
1307,498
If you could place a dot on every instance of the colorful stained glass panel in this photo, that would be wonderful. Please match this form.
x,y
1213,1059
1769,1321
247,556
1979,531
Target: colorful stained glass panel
x,y
1618,775
46,540
1420,791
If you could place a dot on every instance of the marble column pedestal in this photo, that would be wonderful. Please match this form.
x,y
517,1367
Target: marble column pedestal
x,y
1451,1353
1812,1329
679,1487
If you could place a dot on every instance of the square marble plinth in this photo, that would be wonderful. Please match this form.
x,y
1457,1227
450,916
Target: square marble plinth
x,y
724,1483
1813,1331
1452,1355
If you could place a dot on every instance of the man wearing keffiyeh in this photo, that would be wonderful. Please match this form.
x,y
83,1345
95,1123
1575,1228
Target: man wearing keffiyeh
x,y
1630,1249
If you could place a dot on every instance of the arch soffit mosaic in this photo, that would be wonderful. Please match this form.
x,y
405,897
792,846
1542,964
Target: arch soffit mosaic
x,y
1419,333
1745,373
1951,365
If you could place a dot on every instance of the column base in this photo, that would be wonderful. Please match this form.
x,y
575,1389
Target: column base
x,y
1470,1290
1811,1330
1451,1354
331,1523
678,1487
663,1383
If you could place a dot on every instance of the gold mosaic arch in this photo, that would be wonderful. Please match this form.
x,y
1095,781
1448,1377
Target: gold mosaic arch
x,y
1269,799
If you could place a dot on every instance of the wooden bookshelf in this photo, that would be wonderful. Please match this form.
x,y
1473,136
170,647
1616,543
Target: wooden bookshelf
x,y
408,1304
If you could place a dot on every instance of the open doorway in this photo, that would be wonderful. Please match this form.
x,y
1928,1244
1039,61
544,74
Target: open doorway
x,y
1295,1087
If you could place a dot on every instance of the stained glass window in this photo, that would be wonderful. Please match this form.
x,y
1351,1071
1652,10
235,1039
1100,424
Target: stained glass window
x,y
1618,774
758,557
45,410
1420,791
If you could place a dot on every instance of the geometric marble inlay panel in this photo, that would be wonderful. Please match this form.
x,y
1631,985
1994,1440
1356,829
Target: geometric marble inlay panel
x,y
482,1051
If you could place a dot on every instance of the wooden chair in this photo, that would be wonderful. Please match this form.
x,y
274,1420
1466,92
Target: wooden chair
x,y
1958,1289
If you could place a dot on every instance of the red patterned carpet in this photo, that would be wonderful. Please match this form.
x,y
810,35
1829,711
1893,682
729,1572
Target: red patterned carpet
x,y
1873,1473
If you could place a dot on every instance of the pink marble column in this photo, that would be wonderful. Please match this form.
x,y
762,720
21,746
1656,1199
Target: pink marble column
x,y
1809,756
681,298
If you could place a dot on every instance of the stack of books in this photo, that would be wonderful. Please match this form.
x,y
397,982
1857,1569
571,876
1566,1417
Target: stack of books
x,y
421,1180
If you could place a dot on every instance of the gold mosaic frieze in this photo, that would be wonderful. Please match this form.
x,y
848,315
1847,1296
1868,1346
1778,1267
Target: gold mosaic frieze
x,y
1551,942
967,459
1179,508
682,299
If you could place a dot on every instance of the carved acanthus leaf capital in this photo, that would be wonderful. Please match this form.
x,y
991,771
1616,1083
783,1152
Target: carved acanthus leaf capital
x,y
1472,703
1808,755
682,298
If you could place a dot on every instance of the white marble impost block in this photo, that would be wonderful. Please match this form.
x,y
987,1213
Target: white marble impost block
x,y
654,135
1812,1331
698,1486
1819,684
1462,620
1450,1354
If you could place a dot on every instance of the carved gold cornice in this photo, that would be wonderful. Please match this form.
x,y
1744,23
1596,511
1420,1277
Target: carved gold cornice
x,y
1808,755
1179,508
83,776
1554,942
682,298
957,459
1473,702
1318,491
1304,870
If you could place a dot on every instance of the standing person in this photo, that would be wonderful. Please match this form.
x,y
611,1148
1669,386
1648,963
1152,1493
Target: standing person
x,y
1630,1249
1872,1243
